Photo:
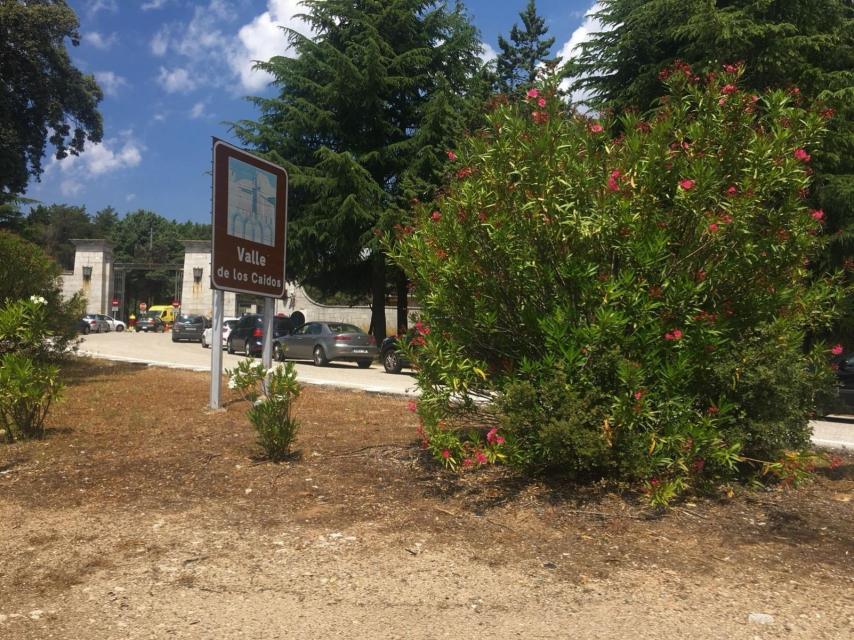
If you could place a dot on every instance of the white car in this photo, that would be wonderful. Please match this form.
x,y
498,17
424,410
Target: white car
x,y
115,324
227,325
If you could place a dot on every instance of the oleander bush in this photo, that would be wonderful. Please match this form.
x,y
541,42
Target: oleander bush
x,y
272,393
28,383
624,296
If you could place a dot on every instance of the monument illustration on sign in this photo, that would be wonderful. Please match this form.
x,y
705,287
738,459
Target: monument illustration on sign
x,y
251,202
249,223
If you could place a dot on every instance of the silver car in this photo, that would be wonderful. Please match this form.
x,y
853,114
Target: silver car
x,y
324,342
97,323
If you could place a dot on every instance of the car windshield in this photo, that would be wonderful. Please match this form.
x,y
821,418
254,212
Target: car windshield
x,y
150,315
340,327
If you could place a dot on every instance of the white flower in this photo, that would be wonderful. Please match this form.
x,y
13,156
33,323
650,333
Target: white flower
x,y
232,383
38,300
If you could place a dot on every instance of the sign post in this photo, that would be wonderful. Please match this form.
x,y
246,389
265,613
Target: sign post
x,y
250,197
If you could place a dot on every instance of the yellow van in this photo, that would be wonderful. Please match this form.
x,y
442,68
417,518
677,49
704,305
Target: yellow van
x,y
166,312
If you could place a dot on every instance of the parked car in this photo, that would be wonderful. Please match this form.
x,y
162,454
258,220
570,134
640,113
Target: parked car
x,y
83,326
248,335
188,327
391,356
115,324
149,321
845,370
324,342
227,325
97,323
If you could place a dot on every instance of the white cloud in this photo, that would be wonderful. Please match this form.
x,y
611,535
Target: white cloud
x,y
262,39
176,81
488,52
210,37
153,4
581,34
95,6
198,110
160,41
129,197
100,41
70,188
110,82
569,49
109,156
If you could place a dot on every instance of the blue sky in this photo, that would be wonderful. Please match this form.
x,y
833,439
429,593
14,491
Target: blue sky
x,y
175,71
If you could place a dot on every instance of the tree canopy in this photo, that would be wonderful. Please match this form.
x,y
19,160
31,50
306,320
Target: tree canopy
x,y
526,51
366,111
43,96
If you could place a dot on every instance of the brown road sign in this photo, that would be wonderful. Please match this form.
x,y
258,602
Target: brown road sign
x,y
250,202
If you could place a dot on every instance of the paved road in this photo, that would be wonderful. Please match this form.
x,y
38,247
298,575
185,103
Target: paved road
x,y
158,349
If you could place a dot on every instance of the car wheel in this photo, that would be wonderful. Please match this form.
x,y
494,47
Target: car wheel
x,y
391,362
278,352
174,338
364,364
229,346
85,331
204,343
320,357
120,327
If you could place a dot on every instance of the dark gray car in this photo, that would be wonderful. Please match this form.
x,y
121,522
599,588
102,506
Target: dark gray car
x,y
188,327
323,342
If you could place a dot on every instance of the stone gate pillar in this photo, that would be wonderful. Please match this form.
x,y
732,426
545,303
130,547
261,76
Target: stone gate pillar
x,y
196,292
93,274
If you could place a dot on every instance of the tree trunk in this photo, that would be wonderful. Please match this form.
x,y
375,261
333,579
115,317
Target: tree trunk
x,y
402,302
378,297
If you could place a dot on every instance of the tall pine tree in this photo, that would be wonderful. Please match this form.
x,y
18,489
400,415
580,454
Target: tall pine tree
x,y
784,44
526,51
367,108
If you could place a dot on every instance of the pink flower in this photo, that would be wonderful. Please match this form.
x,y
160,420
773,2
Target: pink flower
x,y
836,349
541,102
728,89
596,128
422,328
436,216
613,184
467,462
698,465
687,184
465,172
533,93
481,458
713,228
452,156
802,155
639,394
731,68
818,214
412,406
446,453
732,190
673,336
490,436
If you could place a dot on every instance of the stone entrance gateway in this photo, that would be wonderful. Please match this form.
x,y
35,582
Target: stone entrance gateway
x,y
100,280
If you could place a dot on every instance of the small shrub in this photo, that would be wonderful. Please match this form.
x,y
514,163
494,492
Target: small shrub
x,y
272,393
28,384
27,389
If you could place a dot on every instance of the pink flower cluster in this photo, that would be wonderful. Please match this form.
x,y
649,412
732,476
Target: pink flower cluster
x,y
492,436
837,349
673,336
802,155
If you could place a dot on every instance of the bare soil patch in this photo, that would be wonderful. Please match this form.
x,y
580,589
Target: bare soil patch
x,y
144,515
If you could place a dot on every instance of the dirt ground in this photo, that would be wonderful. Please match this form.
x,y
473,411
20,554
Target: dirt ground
x,y
143,515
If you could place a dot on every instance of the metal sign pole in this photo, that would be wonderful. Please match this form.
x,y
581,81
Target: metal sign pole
x,y
216,348
267,349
